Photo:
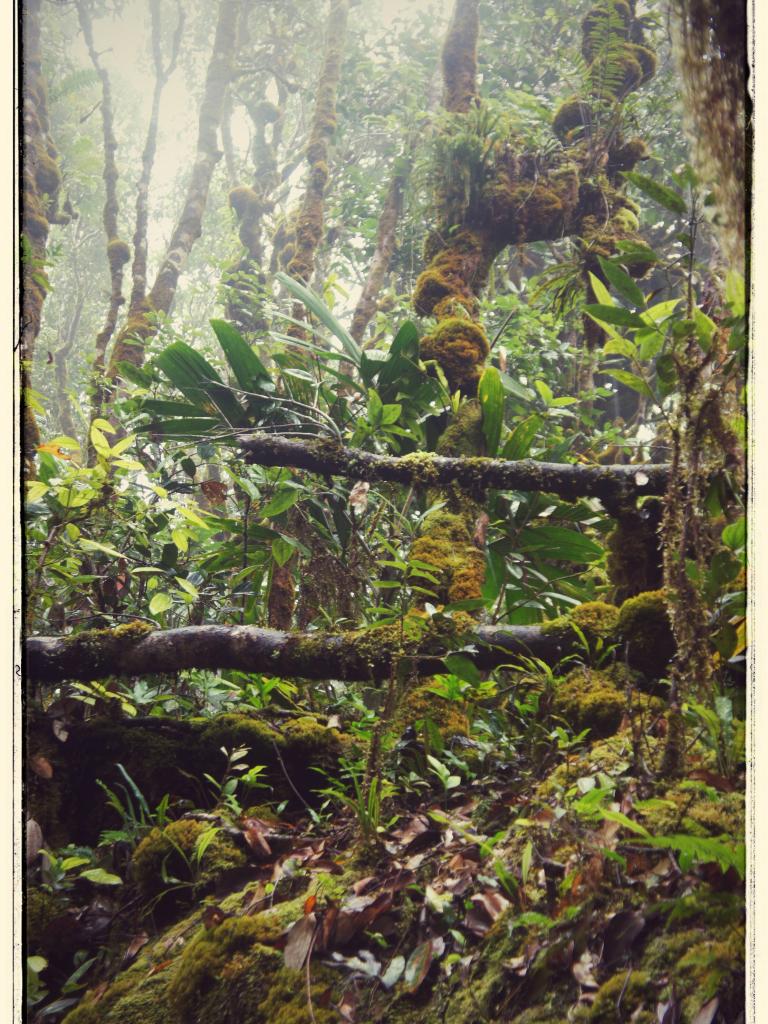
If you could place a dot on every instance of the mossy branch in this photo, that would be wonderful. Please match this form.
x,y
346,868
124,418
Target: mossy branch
x,y
359,655
612,484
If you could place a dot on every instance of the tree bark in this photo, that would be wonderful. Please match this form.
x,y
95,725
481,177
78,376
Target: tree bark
x,y
41,184
612,484
350,656
301,247
385,247
142,325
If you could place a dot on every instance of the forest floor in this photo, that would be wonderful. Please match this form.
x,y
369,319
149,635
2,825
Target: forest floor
x,y
484,872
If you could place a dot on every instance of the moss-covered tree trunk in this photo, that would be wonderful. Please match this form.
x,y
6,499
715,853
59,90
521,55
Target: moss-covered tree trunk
x,y
141,324
299,243
41,185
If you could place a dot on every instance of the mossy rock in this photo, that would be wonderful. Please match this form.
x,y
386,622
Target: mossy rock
x,y
588,699
421,703
637,993
41,908
166,755
645,627
171,852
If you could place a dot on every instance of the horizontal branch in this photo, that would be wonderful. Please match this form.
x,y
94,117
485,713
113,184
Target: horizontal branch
x,y
613,484
362,655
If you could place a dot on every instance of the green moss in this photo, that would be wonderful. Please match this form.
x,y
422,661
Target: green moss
x,y
572,119
460,347
646,58
47,174
596,619
40,909
172,851
695,813
644,626
588,699
135,997
606,81
224,969
118,253
420,703
463,437
636,990
634,555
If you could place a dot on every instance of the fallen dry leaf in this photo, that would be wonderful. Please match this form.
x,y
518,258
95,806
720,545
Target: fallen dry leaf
x,y
299,941
41,766
33,841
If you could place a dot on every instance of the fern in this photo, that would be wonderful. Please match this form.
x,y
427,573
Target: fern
x,y
75,82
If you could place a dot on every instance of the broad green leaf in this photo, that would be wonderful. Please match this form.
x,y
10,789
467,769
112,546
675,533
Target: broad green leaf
x,y
190,588
622,282
280,502
560,543
282,550
661,194
99,442
93,545
622,819
602,294
705,329
617,315
316,305
491,394
104,425
391,414
160,603
649,343
135,374
735,535
460,665
62,441
620,346
180,538
36,489
518,444
189,513
630,380
375,408
513,387
250,373
735,294
199,382
545,392
101,877
661,311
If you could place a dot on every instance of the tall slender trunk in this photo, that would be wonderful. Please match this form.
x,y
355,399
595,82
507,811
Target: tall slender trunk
x,y
142,322
386,240
297,253
41,184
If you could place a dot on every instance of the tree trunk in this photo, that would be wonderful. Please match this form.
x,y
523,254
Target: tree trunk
x,y
142,323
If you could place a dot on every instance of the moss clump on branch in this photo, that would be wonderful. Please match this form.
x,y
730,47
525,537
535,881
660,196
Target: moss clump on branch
x,y
460,347
572,119
118,253
47,174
